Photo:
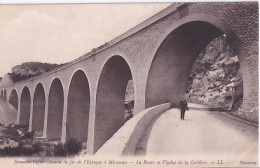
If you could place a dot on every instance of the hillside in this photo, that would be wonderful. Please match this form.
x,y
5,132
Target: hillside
x,y
8,112
30,69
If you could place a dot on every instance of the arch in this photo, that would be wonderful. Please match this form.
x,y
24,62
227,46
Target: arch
x,y
55,110
5,94
110,99
173,60
38,108
2,93
13,99
232,38
78,107
25,107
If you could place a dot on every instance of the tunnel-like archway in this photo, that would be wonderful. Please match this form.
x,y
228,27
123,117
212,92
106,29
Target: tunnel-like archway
x,y
173,61
55,110
5,94
25,107
38,108
13,100
78,107
110,110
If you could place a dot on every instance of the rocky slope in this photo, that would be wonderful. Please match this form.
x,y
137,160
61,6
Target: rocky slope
x,y
129,100
215,78
30,69
7,112
129,94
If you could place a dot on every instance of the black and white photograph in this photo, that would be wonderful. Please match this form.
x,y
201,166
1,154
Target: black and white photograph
x,y
136,84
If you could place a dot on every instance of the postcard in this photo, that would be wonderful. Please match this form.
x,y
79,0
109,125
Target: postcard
x,y
129,84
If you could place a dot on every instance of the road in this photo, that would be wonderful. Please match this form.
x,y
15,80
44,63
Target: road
x,y
204,135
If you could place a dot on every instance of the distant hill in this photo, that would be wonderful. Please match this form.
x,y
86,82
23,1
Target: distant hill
x,y
29,69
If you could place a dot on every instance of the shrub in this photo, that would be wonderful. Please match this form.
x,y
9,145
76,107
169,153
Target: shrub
x,y
36,147
228,97
28,135
59,150
8,151
73,146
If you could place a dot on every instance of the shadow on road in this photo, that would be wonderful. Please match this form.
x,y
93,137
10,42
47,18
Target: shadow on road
x,y
208,109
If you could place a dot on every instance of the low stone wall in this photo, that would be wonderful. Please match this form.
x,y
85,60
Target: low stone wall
x,y
238,115
250,115
124,141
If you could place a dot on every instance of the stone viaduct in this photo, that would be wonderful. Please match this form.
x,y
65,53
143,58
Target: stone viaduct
x,y
85,97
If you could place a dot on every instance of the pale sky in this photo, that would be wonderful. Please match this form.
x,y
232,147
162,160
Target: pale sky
x,y
61,33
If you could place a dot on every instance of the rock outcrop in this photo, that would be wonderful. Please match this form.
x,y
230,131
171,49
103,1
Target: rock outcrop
x,y
215,78
129,100
8,112
6,80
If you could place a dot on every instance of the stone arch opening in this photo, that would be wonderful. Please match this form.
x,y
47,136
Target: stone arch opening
x,y
13,100
173,60
78,107
216,78
25,107
38,108
55,110
110,109
5,94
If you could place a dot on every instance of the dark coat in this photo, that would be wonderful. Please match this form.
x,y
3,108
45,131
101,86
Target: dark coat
x,y
183,105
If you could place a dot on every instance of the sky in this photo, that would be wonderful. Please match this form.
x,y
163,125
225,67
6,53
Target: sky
x,y
60,33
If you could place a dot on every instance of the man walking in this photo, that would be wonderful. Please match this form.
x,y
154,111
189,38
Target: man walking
x,y
183,106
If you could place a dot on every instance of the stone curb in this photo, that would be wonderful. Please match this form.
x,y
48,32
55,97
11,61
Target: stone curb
x,y
239,119
226,113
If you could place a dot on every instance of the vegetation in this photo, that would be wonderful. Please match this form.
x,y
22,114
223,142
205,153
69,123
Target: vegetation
x,y
30,69
73,146
18,141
